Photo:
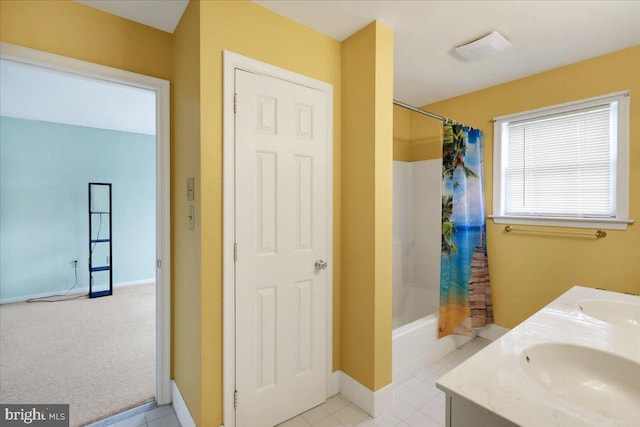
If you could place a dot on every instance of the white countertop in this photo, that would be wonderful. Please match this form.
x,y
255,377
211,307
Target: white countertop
x,y
494,378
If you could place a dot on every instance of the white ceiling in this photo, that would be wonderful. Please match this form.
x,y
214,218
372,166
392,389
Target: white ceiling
x,y
33,93
545,34
161,14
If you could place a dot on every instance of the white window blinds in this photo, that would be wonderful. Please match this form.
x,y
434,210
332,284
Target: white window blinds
x,y
562,165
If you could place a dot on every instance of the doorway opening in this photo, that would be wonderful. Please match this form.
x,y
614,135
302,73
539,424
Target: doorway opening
x,y
66,124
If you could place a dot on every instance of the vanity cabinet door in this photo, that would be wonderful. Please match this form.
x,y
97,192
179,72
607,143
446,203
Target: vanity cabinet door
x,y
461,412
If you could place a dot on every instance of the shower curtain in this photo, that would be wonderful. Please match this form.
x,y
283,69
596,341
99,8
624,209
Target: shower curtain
x,y
465,296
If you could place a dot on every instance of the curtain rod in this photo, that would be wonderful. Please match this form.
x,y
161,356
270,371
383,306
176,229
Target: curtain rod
x,y
417,110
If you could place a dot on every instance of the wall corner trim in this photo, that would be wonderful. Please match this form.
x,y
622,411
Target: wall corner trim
x,y
180,407
373,403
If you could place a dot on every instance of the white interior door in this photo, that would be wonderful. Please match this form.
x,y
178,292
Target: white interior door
x,y
281,231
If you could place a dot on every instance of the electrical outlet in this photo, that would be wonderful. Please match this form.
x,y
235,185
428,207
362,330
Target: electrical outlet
x,y
190,217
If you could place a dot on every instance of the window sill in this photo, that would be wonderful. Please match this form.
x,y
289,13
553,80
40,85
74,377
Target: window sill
x,y
605,224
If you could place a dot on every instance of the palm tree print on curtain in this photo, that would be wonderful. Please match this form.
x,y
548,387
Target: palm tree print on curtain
x,y
465,295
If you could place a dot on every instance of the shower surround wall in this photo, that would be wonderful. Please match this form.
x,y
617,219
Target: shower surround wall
x,y
416,239
417,205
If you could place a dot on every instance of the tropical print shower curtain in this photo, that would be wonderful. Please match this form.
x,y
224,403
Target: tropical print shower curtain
x,y
465,295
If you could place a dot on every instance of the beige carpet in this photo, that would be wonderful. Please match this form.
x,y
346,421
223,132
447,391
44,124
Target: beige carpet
x,y
97,355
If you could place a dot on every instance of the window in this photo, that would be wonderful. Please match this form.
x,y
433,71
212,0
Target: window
x,y
566,165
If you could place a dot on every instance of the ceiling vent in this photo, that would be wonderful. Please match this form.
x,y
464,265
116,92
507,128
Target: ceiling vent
x,y
484,46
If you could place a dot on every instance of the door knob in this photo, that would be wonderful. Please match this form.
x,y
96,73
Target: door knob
x,y
320,265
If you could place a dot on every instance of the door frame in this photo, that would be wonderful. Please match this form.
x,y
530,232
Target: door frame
x,y
49,61
231,63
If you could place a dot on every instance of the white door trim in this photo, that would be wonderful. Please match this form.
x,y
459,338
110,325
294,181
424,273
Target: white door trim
x,y
233,61
163,227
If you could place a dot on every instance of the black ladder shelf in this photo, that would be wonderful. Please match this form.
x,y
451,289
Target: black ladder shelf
x,y
100,244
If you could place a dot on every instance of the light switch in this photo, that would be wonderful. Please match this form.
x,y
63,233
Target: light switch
x,y
191,217
190,189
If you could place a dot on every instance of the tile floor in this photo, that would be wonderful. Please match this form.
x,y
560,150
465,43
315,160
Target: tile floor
x,y
160,416
418,403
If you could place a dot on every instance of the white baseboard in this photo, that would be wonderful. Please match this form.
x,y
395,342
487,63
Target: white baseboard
x,y
334,386
180,407
492,332
77,291
135,282
383,400
42,295
373,403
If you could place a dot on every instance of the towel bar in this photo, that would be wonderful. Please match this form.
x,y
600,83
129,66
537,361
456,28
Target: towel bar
x,y
598,234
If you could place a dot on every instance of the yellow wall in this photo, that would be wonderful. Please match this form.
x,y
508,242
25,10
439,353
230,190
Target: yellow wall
x,y
248,29
401,134
426,137
185,244
529,270
367,151
72,29
383,316
413,136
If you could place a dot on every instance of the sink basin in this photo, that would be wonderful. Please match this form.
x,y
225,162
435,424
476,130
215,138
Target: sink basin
x,y
611,311
592,379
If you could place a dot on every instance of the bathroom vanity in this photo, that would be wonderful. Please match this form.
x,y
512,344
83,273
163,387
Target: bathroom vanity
x,y
576,362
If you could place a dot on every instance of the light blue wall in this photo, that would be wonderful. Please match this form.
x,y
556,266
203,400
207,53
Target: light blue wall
x,y
44,172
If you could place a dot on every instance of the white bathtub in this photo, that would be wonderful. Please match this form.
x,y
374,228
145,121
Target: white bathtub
x,y
416,345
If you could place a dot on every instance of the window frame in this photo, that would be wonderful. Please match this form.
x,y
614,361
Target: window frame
x,y
621,219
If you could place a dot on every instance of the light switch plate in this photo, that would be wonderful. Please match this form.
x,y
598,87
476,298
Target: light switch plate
x,y
190,189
